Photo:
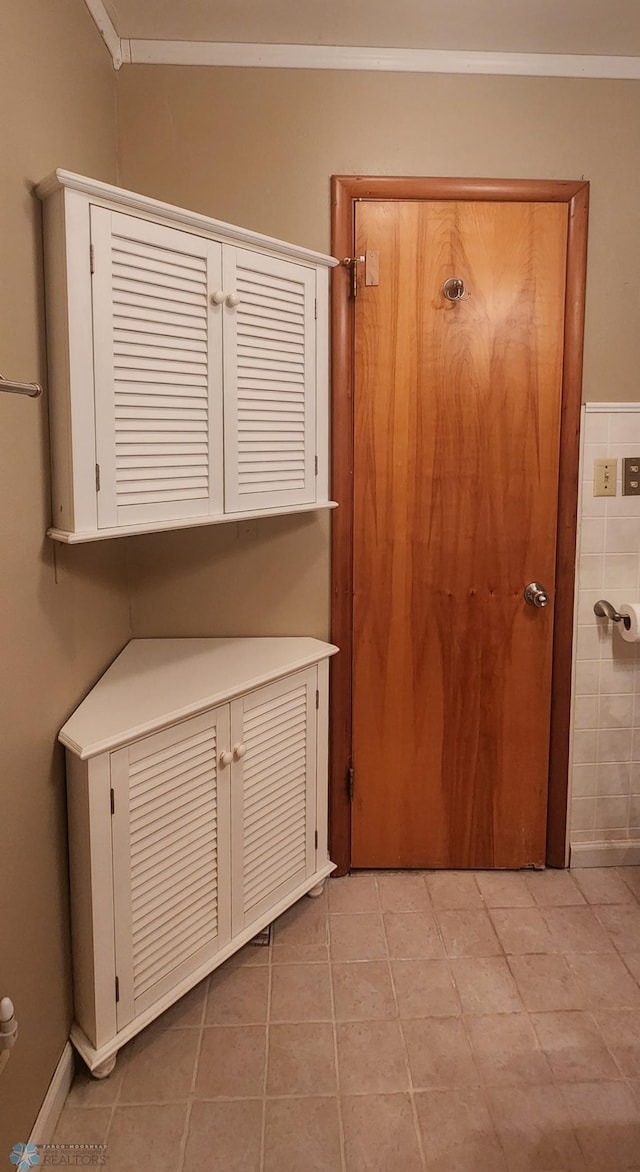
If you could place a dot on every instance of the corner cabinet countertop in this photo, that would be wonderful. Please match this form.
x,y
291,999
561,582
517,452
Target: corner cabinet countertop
x,y
155,682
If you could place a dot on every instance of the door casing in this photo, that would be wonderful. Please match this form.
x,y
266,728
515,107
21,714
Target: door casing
x,y
346,191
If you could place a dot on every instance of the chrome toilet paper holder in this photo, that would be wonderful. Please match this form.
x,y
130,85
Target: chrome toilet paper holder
x,y
605,610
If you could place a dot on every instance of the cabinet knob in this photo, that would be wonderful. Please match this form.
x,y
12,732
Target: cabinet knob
x,y
217,297
239,752
233,299
225,759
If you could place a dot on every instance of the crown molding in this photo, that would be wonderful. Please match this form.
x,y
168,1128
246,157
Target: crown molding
x,y
261,56
117,46
139,51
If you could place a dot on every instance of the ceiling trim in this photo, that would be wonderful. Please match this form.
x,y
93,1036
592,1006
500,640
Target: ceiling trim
x,y
108,32
152,52
258,56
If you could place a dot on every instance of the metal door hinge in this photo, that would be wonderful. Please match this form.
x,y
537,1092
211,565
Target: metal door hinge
x,y
316,465
113,802
351,263
97,478
117,989
316,839
351,777
92,259
315,308
317,699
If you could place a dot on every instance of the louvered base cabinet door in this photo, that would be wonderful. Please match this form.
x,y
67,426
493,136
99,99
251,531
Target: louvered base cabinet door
x,y
171,862
273,794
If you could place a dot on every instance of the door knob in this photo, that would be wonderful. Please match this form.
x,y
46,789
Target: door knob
x,y
233,299
239,752
536,595
225,759
217,297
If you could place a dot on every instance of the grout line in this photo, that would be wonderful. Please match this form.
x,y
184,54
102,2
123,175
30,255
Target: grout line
x,y
185,1135
405,1051
263,1125
194,1078
482,1086
343,1155
118,1095
592,1014
584,1149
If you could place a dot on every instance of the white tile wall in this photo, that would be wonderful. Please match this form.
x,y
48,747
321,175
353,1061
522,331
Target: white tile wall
x,y
605,781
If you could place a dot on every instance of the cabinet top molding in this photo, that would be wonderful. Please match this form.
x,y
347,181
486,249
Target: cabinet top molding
x,y
157,682
107,193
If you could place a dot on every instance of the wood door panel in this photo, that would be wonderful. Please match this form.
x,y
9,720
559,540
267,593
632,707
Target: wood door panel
x,y
457,410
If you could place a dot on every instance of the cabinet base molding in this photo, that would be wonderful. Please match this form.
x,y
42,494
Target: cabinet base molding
x,y
96,1058
78,537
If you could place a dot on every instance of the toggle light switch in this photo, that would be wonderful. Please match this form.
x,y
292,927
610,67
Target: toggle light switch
x,y
631,476
605,472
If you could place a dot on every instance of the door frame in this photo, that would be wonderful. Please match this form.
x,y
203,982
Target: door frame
x,y
346,191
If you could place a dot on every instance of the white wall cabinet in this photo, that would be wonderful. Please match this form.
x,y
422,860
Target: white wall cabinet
x,y
188,366
197,796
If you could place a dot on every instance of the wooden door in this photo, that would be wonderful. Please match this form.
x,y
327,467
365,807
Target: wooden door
x,y
269,381
273,803
457,425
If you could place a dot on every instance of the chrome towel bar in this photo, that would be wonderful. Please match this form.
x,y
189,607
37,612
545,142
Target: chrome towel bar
x,y
33,390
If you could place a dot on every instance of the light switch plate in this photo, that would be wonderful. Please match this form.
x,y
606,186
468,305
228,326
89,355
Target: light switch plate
x,y
605,472
631,476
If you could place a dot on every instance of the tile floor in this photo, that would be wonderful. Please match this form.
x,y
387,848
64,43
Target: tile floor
x,y
454,1022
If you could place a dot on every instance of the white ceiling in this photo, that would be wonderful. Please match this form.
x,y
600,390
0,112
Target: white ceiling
x,y
601,27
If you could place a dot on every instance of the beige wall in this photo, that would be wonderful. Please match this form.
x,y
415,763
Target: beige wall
x,y
257,147
63,612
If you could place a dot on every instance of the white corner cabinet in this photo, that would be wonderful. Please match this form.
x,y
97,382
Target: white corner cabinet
x,y
197,805
188,366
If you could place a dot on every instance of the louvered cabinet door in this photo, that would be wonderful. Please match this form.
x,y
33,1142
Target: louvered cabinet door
x,y
273,794
269,382
171,835
157,371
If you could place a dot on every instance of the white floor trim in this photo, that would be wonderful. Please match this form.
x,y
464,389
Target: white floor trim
x,y
54,1100
605,854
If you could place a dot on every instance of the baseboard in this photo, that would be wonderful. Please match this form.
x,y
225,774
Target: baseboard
x,y
605,854
54,1100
